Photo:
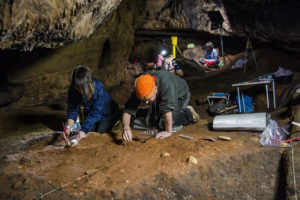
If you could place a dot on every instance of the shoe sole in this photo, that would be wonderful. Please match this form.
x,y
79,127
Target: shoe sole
x,y
194,113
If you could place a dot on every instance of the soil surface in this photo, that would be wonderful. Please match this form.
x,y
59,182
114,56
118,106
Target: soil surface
x,y
35,160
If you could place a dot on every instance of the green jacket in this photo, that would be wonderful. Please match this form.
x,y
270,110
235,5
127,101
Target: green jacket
x,y
170,88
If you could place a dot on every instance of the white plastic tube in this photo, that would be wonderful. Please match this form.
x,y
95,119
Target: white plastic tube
x,y
242,122
296,123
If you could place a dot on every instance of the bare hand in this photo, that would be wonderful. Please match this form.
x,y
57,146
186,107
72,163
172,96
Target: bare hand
x,y
127,135
163,135
81,135
68,131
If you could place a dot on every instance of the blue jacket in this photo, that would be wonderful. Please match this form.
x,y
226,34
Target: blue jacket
x,y
212,55
98,108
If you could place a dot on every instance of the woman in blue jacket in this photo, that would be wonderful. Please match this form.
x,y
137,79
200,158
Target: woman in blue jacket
x,y
87,96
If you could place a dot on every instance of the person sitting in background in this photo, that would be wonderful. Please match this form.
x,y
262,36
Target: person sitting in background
x,y
100,111
168,64
211,56
160,59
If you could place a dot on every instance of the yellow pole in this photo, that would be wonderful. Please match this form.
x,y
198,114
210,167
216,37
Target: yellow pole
x,y
174,43
174,51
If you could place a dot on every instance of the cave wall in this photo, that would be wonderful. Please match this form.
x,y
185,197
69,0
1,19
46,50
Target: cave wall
x,y
46,77
41,23
188,14
273,21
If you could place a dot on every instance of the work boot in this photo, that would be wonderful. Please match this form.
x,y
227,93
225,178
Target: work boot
x,y
196,117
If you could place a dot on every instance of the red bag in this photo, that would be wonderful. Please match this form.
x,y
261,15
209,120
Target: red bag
x,y
209,62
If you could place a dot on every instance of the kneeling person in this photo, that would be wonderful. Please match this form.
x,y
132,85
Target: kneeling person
x,y
99,109
168,96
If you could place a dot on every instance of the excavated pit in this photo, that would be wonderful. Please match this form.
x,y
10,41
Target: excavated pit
x,y
237,169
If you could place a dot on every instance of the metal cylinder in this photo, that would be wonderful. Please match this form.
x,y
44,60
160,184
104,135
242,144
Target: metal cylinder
x,y
242,122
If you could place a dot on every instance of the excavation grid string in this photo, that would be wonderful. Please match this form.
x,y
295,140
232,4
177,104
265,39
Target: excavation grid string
x,y
78,179
294,176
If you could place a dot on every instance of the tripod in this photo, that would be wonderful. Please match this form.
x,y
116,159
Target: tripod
x,y
222,48
248,48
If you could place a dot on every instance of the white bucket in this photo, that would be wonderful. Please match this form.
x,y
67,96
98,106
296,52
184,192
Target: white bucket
x,y
242,122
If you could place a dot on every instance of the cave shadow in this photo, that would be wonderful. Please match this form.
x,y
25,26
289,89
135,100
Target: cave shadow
x,y
106,54
45,140
146,51
52,140
287,112
53,121
115,138
281,192
247,16
15,60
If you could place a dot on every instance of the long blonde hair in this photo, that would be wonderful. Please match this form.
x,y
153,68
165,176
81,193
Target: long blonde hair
x,y
83,82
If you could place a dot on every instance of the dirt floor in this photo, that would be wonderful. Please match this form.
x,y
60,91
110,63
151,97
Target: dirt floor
x,y
139,170
236,169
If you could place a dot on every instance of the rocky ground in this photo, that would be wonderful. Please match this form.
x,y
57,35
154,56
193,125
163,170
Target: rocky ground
x,y
237,169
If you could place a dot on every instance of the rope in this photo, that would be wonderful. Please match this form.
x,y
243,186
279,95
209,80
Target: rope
x,y
294,176
178,49
77,179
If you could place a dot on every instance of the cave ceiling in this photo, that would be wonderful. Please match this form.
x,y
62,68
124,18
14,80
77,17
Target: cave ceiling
x,y
27,24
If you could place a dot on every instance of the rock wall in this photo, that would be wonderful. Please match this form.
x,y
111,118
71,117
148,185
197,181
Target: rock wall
x,y
46,76
273,21
187,14
27,24
41,23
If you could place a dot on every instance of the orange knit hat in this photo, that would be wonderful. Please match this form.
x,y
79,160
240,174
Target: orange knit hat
x,y
145,86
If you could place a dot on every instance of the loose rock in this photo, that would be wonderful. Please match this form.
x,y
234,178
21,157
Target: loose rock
x,y
24,160
165,155
192,160
90,171
224,138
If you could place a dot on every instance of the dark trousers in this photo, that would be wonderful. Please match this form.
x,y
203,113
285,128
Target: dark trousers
x,y
181,115
105,125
